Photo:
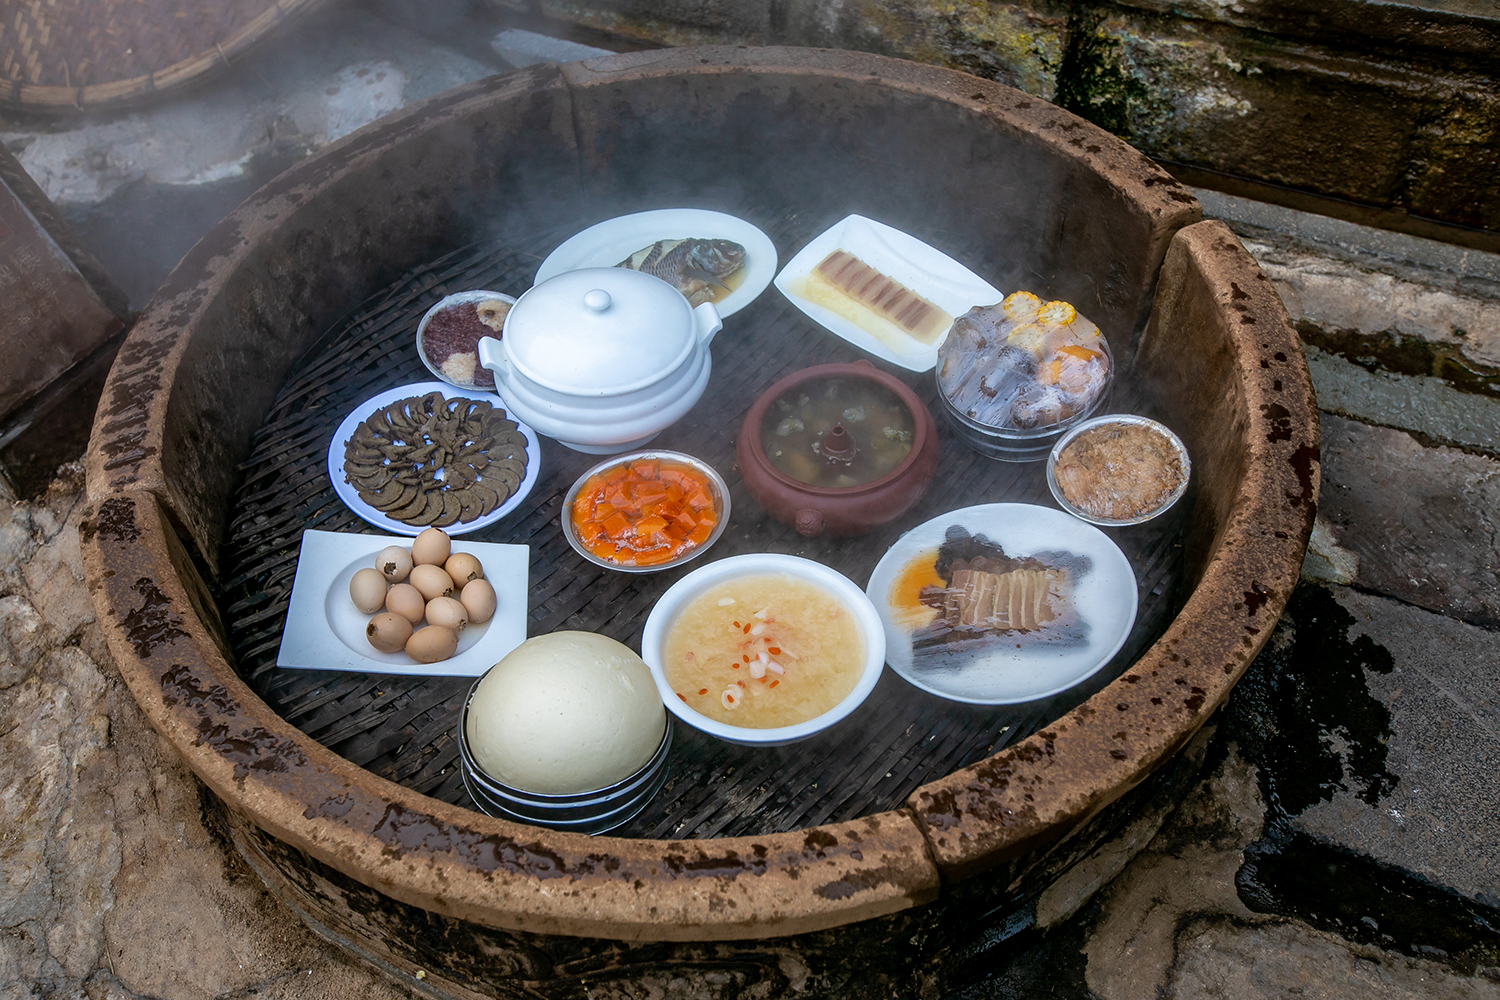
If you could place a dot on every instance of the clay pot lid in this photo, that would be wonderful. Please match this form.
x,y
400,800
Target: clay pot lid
x,y
599,331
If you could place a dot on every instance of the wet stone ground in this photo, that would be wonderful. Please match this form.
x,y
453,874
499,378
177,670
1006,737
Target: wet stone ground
x,y
1341,838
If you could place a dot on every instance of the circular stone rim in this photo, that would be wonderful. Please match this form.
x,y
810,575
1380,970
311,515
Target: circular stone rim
x,y
142,523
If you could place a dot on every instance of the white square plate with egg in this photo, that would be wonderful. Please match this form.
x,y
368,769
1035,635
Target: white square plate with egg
x,y
925,270
325,631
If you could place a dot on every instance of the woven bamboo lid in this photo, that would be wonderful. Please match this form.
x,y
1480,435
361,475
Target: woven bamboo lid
x,y
74,54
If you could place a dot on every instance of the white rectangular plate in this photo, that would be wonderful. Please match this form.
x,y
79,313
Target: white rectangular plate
x,y
929,272
325,631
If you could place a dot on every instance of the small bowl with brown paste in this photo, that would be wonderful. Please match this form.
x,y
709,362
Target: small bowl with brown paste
x,y
1118,469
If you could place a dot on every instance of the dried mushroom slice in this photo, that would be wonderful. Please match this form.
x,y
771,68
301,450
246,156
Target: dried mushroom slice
x,y
486,497
430,512
413,509
504,478
510,448
453,508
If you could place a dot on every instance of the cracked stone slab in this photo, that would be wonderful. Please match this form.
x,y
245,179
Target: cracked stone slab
x,y
1188,868
1424,522
1419,403
1350,241
1326,559
1443,695
1349,282
1222,959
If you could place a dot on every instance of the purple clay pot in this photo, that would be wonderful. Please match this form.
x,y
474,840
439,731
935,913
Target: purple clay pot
x,y
837,510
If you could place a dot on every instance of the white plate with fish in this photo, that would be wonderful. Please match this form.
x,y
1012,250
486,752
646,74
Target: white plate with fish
x,y
1003,603
495,463
325,631
616,240
923,277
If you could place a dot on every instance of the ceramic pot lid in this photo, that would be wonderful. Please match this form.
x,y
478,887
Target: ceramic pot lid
x,y
599,331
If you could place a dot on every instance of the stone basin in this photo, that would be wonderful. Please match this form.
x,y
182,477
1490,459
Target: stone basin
x,y
480,906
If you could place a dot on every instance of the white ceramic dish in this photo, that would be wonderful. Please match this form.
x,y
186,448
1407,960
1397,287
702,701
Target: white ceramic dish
x,y
720,498
611,241
1118,419
590,812
325,631
929,272
1000,671
350,495
680,594
602,358
456,299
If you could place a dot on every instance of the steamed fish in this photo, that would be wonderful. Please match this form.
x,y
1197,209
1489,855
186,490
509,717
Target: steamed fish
x,y
695,267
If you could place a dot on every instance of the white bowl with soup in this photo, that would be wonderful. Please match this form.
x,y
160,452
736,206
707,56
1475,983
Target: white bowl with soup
x,y
764,649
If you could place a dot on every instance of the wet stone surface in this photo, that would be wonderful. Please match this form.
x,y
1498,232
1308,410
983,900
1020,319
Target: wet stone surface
x,y
1424,521
1373,728
1440,782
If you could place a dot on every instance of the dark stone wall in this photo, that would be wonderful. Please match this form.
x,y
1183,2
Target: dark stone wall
x,y
1388,104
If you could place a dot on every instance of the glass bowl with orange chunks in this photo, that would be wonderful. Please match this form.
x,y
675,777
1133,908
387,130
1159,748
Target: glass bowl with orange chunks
x,y
646,511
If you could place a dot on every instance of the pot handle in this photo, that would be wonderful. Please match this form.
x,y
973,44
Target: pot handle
x,y
809,522
706,322
492,356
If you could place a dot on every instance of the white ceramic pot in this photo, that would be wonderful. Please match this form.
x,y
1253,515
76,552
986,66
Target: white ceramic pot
x,y
602,359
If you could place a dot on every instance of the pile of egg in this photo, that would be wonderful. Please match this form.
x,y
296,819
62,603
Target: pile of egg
x,y
428,582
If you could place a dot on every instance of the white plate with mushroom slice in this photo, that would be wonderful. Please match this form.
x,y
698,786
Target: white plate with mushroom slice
x,y
350,493
325,631
613,240
1043,602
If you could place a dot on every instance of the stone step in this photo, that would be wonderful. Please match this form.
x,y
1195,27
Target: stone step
x,y
1375,730
1423,522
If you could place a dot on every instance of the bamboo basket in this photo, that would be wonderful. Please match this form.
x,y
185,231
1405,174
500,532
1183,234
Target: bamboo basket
x,y
59,56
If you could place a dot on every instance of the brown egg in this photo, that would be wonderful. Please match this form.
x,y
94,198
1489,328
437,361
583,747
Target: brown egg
x,y
447,612
478,599
388,632
432,580
431,547
463,567
407,601
367,590
394,563
431,644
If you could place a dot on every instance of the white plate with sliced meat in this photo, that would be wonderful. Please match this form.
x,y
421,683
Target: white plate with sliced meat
x,y
1003,603
432,454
